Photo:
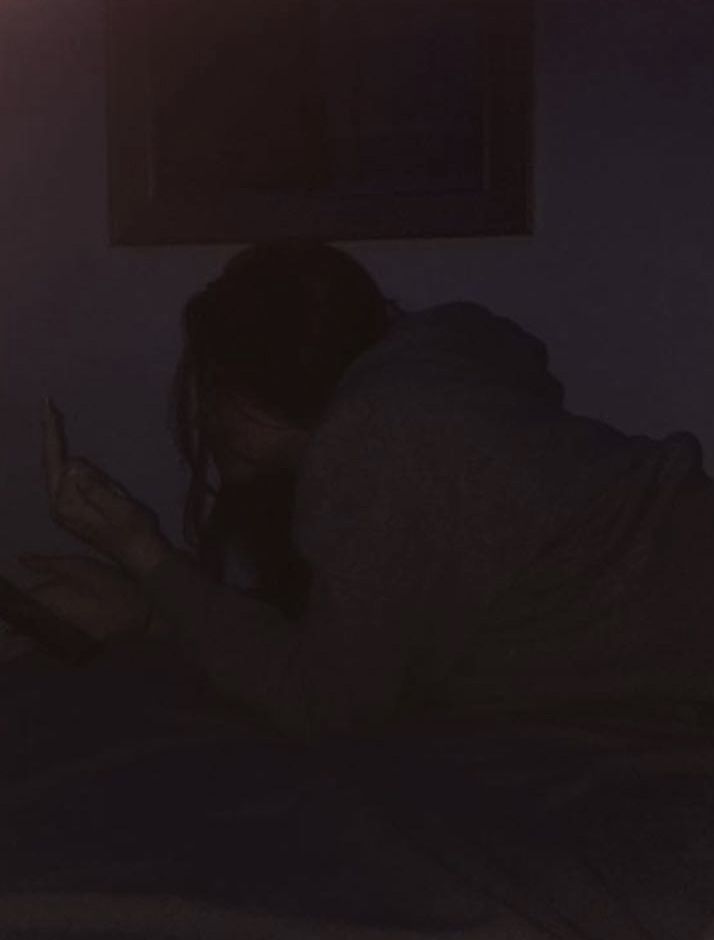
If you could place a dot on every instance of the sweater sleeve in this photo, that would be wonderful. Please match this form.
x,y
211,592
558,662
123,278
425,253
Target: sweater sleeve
x,y
345,666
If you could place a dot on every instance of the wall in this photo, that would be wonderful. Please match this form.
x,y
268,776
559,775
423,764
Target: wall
x,y
618,278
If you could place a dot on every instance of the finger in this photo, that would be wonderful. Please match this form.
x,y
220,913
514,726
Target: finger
x,y
85,474
69,507
54,447
85,486
103,494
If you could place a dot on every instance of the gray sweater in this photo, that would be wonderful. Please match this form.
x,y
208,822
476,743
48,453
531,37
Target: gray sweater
x,y
474,545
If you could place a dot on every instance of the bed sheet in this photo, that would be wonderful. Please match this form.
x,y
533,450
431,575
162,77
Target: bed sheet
x,y
133,807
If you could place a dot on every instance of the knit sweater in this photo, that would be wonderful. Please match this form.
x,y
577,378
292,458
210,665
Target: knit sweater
x,y
473,544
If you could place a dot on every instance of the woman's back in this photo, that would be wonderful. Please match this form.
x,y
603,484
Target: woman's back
x,y
504,537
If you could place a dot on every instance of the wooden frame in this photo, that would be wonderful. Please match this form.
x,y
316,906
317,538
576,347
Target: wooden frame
x,y
492,199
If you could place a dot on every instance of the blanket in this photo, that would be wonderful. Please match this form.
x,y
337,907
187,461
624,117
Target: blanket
x,y
132,805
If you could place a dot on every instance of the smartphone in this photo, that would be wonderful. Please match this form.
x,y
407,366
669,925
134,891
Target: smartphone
x,y
59,638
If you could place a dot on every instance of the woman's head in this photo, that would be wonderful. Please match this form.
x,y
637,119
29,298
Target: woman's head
x,y
281,324
265,345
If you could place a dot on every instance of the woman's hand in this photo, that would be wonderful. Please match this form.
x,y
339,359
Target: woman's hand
x,y
98,598
87,503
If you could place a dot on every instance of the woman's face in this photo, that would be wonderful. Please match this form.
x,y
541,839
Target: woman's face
x,y
245,441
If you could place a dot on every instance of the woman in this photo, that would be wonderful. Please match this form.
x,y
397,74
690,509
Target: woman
x,y
428,530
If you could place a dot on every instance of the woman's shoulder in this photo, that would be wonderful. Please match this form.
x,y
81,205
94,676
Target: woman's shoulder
x,y
430,352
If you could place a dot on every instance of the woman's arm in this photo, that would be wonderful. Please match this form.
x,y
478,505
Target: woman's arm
x,y
346,665
364,531
342,670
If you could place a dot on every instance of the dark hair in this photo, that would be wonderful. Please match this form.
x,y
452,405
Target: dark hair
x,y
278,328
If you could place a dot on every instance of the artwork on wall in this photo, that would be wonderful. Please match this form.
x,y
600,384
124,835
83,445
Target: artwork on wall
x,y
338,119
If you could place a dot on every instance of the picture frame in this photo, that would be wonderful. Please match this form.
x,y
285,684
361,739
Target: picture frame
x,y
333,119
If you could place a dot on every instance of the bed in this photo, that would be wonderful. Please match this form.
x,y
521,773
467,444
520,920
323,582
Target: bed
x,y
135,806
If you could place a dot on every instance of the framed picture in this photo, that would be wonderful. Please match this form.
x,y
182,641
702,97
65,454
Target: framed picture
x,y
335,119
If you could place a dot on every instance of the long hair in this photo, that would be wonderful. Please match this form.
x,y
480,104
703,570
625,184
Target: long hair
x,y
277,329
